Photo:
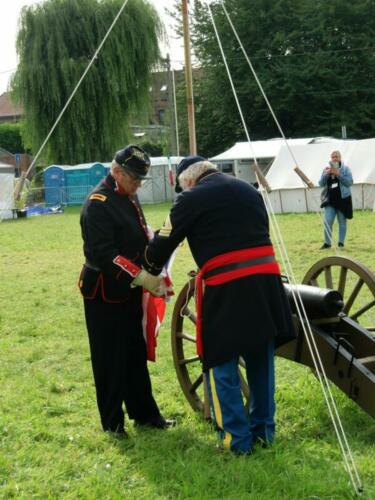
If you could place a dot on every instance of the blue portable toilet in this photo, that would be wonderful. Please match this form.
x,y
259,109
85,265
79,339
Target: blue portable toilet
x,y
71,184
54,184
107,167
97,172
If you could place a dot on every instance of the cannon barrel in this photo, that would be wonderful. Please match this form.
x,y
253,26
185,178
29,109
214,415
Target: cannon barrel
x,y
318,302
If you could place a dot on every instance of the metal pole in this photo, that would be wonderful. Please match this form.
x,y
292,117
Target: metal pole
x,y
189,80
170,90
175,114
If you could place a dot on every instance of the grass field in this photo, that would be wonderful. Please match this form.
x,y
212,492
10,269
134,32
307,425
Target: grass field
x,y
50,437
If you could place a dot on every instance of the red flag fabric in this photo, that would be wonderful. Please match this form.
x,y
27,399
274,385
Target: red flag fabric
x,y
153,315
170,176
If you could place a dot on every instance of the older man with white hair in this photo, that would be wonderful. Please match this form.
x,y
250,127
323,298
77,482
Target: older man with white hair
x,y
242,309
336,180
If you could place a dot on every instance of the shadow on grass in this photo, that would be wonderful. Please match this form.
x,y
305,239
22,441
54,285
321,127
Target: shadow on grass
x,y
186,462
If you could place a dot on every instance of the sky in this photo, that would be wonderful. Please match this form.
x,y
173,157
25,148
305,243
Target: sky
x,y
10,10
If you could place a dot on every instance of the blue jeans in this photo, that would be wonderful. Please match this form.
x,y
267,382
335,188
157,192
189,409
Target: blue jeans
x,y
329,217
238,429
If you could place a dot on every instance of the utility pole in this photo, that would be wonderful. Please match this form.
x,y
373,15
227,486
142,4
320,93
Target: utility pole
x,y
189,80
171,105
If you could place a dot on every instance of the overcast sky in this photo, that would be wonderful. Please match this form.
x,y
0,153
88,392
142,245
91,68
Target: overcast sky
x,y
9,12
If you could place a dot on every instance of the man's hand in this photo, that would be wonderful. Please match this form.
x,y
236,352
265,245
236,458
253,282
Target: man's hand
x,y
154,284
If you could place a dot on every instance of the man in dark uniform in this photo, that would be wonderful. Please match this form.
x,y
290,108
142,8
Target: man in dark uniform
x,y
114,232
242,309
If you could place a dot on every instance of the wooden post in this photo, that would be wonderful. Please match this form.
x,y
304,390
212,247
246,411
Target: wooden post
x,y
304,177
261,178
189,80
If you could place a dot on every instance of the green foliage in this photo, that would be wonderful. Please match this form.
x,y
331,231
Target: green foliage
x,y
315,61
50,438
152,148
55,43
10,137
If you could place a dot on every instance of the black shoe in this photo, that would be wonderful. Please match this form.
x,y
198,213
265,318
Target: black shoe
x,y
156,422
324,246
341,244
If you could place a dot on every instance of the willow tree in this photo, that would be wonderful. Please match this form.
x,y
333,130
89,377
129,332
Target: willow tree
x,y
55,42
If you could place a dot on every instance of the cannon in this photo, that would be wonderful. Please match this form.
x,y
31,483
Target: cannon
x,y
338,294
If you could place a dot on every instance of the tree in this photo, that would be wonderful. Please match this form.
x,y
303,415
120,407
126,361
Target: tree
x,y
315,61
56,41
10,138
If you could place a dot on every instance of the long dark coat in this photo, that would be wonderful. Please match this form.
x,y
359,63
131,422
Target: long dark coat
x,y
221,214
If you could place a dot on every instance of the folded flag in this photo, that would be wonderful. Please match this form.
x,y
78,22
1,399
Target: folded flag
x,y
153,315
170,172
154,311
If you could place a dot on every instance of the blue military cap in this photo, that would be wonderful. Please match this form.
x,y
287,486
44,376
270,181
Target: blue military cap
x,y
133,159
183,165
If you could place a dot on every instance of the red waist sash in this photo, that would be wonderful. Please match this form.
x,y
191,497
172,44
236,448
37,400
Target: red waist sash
x,y
230,266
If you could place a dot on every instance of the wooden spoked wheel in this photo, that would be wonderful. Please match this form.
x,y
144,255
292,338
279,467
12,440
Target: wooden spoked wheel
x,y
187,363
353,280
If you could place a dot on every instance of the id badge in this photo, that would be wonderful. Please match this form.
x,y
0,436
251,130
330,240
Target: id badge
x,y
334,185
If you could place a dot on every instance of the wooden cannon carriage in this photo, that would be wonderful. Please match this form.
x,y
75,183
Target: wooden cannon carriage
x,y
339,300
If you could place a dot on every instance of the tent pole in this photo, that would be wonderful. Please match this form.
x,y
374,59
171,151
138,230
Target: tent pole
x,y
189,80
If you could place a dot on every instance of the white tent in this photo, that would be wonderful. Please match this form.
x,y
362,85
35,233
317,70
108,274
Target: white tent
x,y
262,149
238,159
157,187
289,194
6,191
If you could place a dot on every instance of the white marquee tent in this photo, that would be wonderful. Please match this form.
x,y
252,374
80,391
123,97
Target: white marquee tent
x,y
238,159
289,194
6,191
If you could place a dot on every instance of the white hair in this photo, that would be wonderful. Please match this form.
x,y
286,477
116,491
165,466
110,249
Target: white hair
x,y
114,164
191,174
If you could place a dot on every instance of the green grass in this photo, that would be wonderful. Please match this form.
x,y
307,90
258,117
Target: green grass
x,y
50,438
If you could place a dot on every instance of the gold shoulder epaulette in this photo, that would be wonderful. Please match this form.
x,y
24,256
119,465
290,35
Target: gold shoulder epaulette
x,y
98,196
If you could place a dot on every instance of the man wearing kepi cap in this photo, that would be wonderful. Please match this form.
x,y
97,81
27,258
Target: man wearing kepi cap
x,y
242,309
183,165
115,235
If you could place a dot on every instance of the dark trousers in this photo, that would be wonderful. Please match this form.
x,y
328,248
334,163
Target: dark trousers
x,y
119,362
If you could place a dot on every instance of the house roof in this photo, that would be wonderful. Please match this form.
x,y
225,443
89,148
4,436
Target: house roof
x,y
7,108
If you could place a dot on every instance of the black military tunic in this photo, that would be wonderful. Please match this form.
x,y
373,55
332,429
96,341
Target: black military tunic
x,y
112,225
222,214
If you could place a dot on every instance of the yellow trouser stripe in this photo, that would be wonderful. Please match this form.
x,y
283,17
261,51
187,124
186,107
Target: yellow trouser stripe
x,y
217,410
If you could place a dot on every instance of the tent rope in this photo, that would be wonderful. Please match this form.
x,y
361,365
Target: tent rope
x,y
296,168
301,312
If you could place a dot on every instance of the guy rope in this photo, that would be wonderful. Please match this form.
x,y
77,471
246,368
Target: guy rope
x,y
300,308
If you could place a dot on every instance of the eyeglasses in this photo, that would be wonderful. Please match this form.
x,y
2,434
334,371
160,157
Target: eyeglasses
x,y
133,177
